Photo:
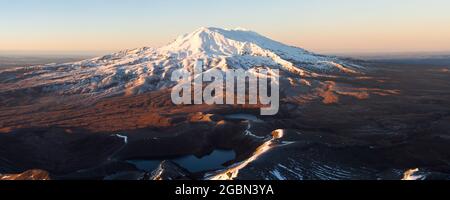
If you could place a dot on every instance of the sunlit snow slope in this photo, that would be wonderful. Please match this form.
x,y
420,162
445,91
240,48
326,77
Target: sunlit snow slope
x,y
147,69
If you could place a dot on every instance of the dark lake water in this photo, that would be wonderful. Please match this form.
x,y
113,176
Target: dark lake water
x,y
192,163
242,116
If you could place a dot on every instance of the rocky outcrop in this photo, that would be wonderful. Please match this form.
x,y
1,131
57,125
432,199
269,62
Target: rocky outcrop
x,y
169,170
33,175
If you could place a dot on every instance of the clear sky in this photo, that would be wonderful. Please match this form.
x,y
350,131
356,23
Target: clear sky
x,y
318,25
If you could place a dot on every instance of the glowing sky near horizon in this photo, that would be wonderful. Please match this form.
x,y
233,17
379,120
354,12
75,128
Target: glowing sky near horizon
x,y
318,25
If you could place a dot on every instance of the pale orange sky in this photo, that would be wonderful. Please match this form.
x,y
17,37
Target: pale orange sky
x,y
321,25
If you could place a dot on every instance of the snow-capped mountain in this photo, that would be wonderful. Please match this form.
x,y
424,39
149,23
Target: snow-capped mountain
x,y
147,69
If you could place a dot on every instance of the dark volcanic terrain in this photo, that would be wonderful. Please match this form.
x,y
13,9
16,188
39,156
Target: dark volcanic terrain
x,y
394,118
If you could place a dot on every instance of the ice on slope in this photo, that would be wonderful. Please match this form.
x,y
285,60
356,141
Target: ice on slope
x,y
146,69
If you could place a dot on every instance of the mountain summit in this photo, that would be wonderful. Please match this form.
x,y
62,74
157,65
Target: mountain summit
x,y
216,42
148,69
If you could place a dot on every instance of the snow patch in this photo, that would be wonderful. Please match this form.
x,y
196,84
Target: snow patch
x,y
277,174
125,138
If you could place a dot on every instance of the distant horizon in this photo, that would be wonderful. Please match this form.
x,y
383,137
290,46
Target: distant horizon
x,y
370,52
342,53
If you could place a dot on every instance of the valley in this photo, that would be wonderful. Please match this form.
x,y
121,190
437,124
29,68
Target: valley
x,y
112,117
